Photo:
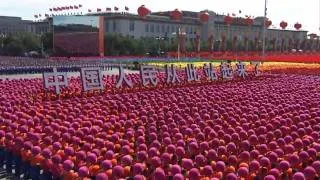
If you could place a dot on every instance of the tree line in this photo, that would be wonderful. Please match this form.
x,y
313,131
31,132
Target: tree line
x,y
119,45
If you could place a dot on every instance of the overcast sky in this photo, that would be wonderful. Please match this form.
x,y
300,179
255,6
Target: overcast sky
x,y
304,11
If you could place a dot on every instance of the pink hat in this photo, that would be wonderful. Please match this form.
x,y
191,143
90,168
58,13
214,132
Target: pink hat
x,y
298,176
316,166
231,176
187,164
207,170
212,155
83,171
180,151
284,165
142,156
175,169
275,172
92,158
102,176
269,177
178,177
126,160
220,166
36,150
69,151
139,177
159,174
265,162
194,174
118,171
254,166
68,165
303,156
243,172
156,161
200,160
138,168
310,172
106,164
46,153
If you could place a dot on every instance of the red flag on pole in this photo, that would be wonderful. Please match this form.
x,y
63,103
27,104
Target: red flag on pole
x,y
116,8
126,8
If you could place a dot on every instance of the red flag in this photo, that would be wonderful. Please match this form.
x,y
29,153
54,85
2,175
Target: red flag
x,y
98,10
50,9
126,8
89,10
80,5
116,8
108,9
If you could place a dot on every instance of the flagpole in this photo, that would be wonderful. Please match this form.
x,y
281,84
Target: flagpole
x,y
264,30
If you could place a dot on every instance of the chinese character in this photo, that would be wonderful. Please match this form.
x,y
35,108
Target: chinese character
x,y
55,79
91,78
191,72
241,69
210,71
226,71
256,68
148,75
172,76
123,78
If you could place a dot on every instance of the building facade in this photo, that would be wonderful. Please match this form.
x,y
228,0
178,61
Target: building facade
x,y
161,24
12,25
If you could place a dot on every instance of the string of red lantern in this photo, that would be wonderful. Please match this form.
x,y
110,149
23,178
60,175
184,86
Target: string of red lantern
x,y
176,14
204,17
297,26
283,24
143,11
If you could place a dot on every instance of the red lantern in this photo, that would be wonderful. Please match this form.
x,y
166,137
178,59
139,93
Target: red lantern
x,y
228,20
204,17
176,14
297,26
268,23
283,24
249,21
143,11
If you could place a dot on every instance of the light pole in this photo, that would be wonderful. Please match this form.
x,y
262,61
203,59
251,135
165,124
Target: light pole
x,y
2,37
178,35
159,38
264,30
